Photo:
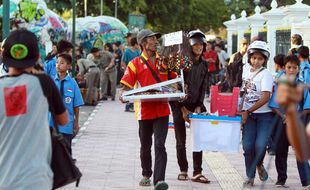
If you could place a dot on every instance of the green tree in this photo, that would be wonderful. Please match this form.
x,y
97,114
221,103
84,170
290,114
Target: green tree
x,y
171,15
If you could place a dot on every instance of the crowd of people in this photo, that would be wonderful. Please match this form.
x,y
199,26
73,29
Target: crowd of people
x,y
264,114
274,109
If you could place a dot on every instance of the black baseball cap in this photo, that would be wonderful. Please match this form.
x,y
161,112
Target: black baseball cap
x,y
20,49
146,33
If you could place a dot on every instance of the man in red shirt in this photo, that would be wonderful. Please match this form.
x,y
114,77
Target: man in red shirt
x,y
153,116
211,57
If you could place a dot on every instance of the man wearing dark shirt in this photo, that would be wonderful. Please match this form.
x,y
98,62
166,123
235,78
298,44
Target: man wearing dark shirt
x,y
236,65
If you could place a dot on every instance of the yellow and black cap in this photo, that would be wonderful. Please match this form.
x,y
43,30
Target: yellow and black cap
x,y
20,49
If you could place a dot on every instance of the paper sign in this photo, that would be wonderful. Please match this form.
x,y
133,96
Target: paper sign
x,y
173,38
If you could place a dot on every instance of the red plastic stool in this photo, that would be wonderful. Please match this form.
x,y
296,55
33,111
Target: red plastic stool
x,y
224,103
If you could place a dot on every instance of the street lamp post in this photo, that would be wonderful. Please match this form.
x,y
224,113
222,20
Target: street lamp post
x,y
115,1
101,6
73,36
6,19
85,8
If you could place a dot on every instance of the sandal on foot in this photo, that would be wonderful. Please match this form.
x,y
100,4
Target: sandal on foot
x,y
249,182
200,179
262,173
145,181
183,176
161,185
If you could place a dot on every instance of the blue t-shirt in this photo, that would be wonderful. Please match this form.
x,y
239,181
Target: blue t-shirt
x,y
50,67
129,55
304,73
72,98
278,75
304,76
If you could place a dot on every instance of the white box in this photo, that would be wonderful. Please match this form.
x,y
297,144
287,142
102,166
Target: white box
x,y
215,133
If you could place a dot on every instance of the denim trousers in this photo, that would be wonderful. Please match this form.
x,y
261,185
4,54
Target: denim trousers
x,y
255,136
180,136
158,127
304,167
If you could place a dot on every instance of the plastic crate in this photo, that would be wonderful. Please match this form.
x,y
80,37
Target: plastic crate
x,y
215,133
224,103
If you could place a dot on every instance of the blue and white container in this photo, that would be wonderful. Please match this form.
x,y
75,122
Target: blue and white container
x,y
215,133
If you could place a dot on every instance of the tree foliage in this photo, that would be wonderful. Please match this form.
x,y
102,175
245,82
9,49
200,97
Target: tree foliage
x,y
171,15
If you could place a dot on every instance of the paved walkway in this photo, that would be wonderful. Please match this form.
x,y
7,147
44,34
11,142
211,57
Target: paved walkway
x,y
107,152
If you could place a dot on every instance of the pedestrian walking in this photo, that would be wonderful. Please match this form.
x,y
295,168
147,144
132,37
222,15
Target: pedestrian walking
x,y
108,73
304,76
222,57
296,43
153,116
289,96
213,65
130,53
196,80
63,46
280,142
236,65
256,114
90,71
25,145
71,96
117,53
279,63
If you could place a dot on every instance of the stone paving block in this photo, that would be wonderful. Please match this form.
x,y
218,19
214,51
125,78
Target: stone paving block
x,y
108,155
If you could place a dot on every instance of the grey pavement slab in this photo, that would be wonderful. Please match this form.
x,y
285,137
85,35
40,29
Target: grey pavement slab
x,y
107,152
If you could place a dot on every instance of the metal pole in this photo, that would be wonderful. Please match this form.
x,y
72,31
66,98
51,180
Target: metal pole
x,y
115,8
73,36
6,19
101,7
85,8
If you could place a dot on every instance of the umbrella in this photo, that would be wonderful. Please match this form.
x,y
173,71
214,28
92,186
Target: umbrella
x,y
36,17
90,29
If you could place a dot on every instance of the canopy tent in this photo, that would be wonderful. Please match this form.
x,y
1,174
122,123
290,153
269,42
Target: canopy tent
x,y
36,17
95,31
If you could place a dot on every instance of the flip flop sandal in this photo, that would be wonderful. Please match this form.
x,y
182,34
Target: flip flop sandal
x,y
200,179
145,182
183,177
161,186
262,173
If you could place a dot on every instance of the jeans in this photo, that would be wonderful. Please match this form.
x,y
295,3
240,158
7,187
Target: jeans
x,y
180,136
255,136
304,167
158,127
304,172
